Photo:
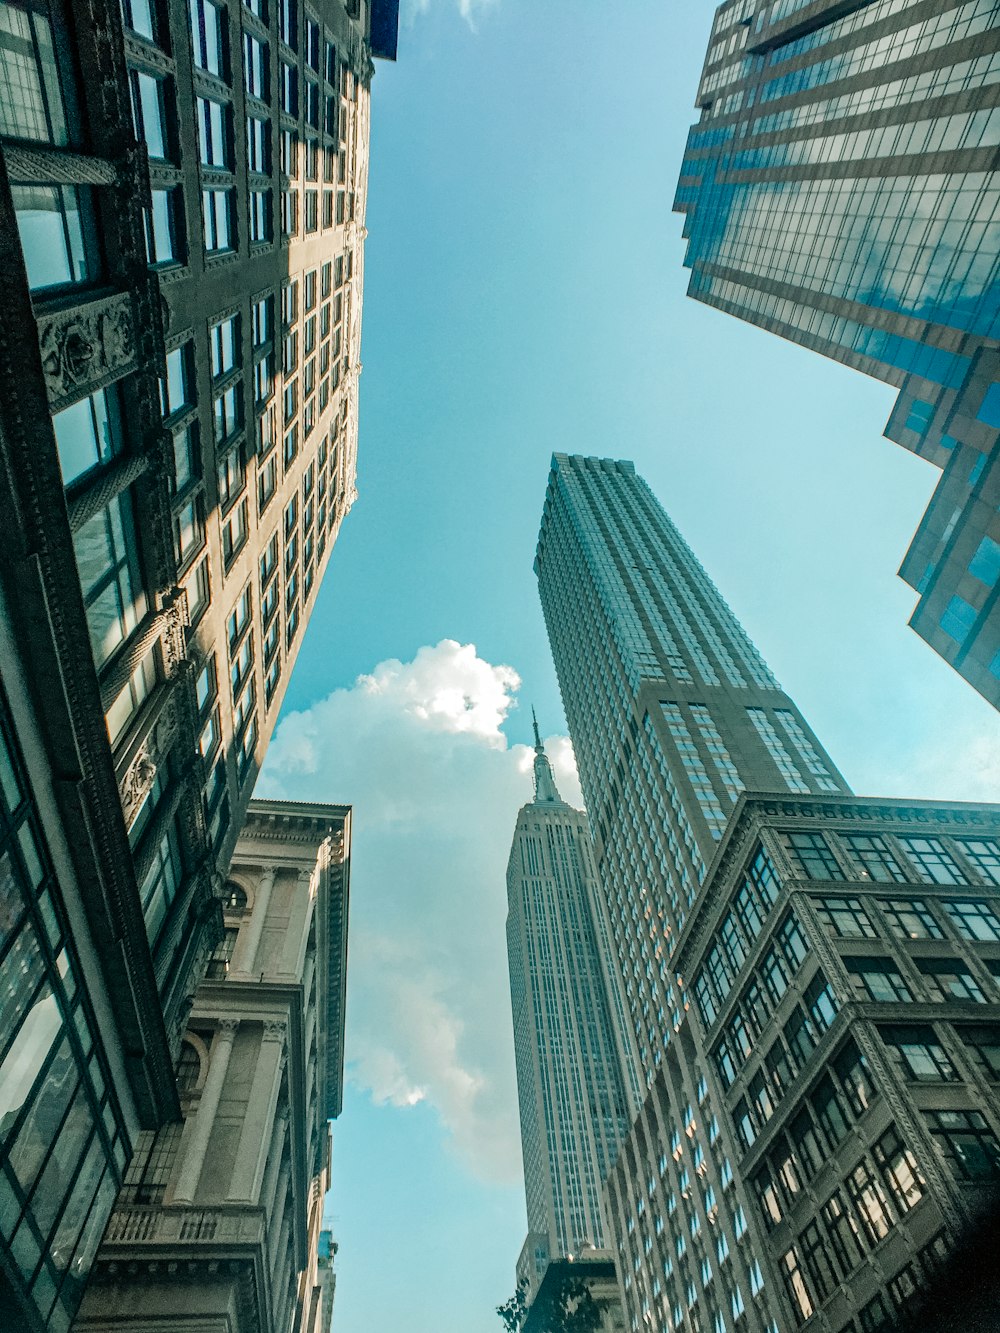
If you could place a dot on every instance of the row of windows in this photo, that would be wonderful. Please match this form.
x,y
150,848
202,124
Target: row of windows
x,y
876,857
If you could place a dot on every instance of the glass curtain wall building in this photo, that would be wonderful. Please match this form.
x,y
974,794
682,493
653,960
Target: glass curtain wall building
x,y
755,1014
182,202
841,189
575,1108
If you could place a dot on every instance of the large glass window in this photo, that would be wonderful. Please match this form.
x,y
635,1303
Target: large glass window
x,y
870,1203
52,221
950,979
149,112
967,1142
165,228
214,137
877,861
974,919
984,1043
217,217
108,563
877,979
87,434
919,1055
159,888
31,106
255,67
984,853
208,24
898,1168
812,852
910,919
225,340
844,917
934,862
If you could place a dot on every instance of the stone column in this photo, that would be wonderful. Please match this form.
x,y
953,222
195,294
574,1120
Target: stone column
x,y
295,938
251,1154
242,966
204,1119
273,1168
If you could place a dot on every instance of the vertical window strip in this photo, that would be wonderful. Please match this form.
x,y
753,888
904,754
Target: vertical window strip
x,y
765,729
807,750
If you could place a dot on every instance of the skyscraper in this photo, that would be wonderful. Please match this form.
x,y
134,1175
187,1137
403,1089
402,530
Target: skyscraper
x,y
810,979
574,1104
841,190
182,203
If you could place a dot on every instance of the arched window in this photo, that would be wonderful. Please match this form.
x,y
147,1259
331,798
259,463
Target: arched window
x,y
235,899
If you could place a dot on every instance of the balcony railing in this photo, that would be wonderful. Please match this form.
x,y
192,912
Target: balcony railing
x,y
181,1226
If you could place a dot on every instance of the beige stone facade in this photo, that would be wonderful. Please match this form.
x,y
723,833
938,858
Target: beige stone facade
x,y
218,1226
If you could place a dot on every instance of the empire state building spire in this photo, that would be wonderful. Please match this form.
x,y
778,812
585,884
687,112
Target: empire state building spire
x,y
546,792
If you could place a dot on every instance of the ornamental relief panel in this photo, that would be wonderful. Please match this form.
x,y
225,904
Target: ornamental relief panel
x,y
86,347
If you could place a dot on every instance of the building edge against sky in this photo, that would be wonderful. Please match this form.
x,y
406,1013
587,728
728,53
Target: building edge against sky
x,y
573,1102
811,978
182,201
841,190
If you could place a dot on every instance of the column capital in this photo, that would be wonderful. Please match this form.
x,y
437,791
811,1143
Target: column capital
x,y
227,1028
274,1030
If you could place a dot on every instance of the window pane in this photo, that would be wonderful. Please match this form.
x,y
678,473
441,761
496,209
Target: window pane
x,y
48,222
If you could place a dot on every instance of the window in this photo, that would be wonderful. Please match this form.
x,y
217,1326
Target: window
x,y
311,220
272,676
288,21
217,219
851,1069
934,864
289,77
206,685
816,1260
844,917
213,134
974,919
830,1111
258,146
869,1201
984,854
910,919
159,888
846,1244
165,228
984,1043
260,216
148,111
291,446
228,413
140,16
230,476
121,712
820,1001
874,1316
225,340
107,561
813,855
234,533
267,481
310,44
877,979
877,861
239,619
792,943
795,1285
189,531
207,29
187,459
918,1054
985,564
88,434
52,222
958,618
950,979
261,321
289,212
967,1142
255,67
269,560
199,591
898,1168
290,302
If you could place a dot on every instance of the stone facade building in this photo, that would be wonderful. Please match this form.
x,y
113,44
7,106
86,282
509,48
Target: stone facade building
x,y
841,190
219,1225
808,977
182,205
574,1106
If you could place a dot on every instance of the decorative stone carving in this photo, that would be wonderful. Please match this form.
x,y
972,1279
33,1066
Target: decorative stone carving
x,y
274,1030
138,779
86,347
45,166
174,608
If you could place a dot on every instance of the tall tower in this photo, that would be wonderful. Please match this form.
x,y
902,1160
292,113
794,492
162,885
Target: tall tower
x,y
811,979
574,1105
672,711
840,190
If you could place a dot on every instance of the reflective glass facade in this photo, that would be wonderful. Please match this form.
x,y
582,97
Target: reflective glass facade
x,y
62,1142
841,190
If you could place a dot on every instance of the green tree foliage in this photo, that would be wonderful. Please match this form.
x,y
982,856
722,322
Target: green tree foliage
x,y
564,1307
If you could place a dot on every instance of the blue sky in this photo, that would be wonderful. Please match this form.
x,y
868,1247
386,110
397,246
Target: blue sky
x,y
525,294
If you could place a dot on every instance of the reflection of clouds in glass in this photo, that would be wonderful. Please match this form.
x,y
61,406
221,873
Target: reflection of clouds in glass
x,y
27,1055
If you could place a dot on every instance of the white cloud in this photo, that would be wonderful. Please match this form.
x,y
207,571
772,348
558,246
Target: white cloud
x,y
417,749
470,10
